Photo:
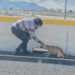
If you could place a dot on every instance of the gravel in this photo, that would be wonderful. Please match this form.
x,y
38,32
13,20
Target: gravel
x,y
31,68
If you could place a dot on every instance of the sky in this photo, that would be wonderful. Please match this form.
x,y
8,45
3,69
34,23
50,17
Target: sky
x,y
56,4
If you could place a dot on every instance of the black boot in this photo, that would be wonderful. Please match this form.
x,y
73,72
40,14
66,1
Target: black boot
x,y
25,51
19,50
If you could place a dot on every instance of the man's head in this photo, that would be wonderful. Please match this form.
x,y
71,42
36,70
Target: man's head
x,y
38,22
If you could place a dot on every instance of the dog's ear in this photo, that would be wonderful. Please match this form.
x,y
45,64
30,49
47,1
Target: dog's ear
x,y
44,46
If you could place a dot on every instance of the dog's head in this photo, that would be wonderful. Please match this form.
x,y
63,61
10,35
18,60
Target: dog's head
x,y
45,46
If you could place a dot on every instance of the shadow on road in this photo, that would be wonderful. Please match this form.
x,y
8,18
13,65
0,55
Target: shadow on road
x,y
36,57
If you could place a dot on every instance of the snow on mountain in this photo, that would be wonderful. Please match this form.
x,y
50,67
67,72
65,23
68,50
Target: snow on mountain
x,y
20,5
37,4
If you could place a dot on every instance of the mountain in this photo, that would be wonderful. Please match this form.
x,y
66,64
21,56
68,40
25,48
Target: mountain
x,y
20,5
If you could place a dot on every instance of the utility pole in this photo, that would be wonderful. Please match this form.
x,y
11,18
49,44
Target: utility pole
x,y
65,10
65,13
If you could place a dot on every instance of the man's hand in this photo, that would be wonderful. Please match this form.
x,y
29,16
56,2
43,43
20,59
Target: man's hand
x,y
44,46
41,43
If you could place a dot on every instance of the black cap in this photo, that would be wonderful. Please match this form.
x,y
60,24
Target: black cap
x,y
38,21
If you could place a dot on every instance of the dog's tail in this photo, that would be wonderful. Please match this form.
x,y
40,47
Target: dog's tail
x,y
66,55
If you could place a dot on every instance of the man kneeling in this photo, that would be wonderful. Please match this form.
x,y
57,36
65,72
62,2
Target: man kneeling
x,y
25,30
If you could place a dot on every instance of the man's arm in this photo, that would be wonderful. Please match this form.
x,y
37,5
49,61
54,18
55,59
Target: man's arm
x,y
37,40
33,36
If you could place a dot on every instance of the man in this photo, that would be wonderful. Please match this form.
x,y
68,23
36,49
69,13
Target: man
x,y
25,30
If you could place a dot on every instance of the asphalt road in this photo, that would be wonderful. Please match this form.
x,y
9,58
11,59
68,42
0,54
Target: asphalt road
x,y
36,57
35,64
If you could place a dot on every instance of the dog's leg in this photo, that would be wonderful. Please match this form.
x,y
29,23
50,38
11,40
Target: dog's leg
x,y
59,55
65,55
47,54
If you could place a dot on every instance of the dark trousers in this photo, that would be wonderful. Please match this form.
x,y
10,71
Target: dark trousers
x,y
24,36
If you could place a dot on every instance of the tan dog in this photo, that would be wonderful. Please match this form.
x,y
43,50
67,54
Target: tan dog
x,y
54,50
